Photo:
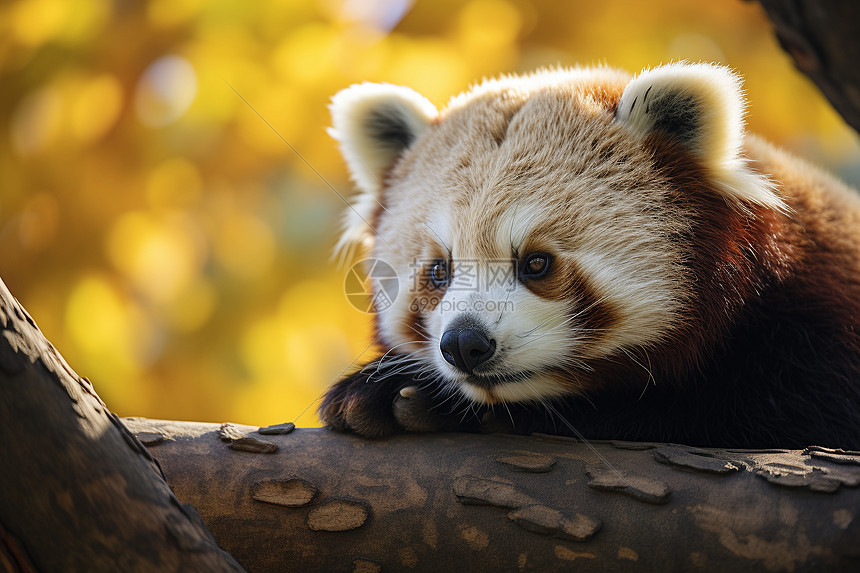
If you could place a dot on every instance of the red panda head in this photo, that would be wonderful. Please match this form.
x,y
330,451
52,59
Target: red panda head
x,y
542,225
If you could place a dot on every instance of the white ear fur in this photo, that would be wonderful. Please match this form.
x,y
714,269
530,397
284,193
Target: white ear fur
x,y
700,106
374,124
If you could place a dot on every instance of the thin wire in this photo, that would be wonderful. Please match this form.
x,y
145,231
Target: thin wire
x,y
308,407
348,366
306,162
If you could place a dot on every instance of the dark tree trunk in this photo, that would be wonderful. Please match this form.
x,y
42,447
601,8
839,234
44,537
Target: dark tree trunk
x,y
77,491
822,38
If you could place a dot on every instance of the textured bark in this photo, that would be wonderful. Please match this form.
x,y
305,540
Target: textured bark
x,y
324,501
77,491
822,38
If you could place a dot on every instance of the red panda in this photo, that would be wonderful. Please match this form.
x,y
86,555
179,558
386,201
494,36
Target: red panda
x,y
580,252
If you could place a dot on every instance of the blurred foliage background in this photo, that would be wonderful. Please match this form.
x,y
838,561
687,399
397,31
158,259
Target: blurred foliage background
x,y
177,251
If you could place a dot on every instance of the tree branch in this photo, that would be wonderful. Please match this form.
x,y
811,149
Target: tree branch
x,y
324,501
821,37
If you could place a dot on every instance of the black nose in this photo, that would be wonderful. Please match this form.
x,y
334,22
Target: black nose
x,y
466,348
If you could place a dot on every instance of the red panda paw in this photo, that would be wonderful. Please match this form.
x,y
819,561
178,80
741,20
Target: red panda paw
x,y
375,403
417,409
361,405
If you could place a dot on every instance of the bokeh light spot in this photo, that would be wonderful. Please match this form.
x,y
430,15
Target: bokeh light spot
x,y
308,54
95,315
490,23
297,351
158,254
244,246
285,110
434,68
192,307
38,222
487,35
381,15
37,121
175,183
165,91
110,335
37,21
95,108
167,13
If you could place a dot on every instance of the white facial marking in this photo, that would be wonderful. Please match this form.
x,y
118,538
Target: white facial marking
x,y
543,160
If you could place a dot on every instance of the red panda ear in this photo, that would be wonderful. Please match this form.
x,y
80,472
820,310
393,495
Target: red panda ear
x,y
374,124
701,107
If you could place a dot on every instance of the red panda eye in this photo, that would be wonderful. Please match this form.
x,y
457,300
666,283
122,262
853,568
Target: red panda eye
x,y
439,275
536,265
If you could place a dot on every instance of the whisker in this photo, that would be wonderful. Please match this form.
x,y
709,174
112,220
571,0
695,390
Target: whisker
x,y
582,438
424,335
510,414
